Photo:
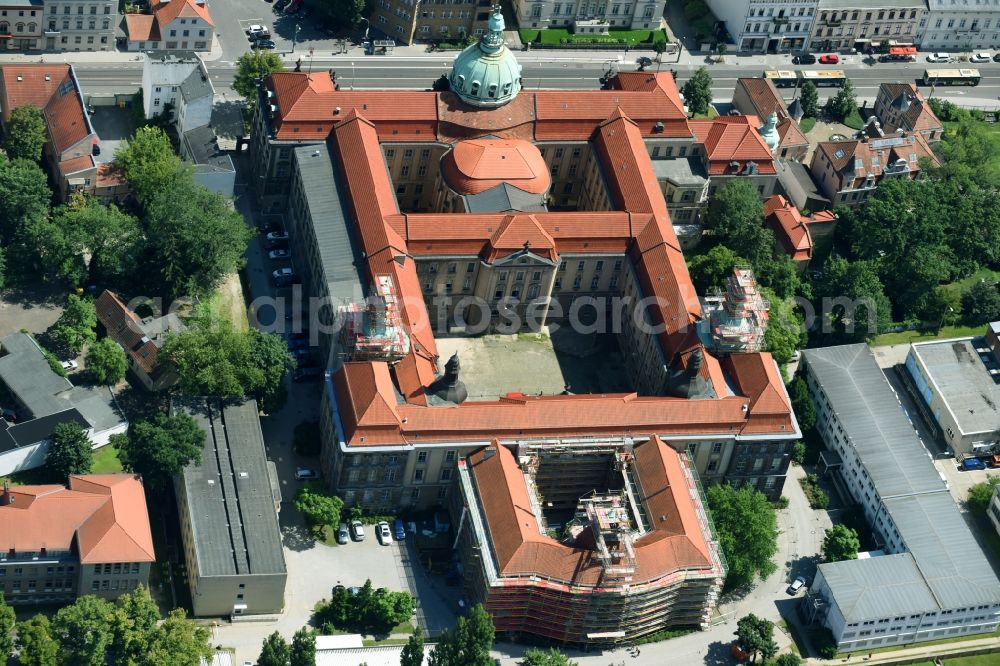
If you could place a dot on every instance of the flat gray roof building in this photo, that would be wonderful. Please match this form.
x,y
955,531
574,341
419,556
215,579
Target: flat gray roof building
x,y
229,522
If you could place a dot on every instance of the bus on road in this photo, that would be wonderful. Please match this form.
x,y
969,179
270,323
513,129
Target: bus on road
x,y
826,77
782,78
951,77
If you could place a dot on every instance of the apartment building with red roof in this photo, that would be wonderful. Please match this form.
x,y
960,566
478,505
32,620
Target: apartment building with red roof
x,y
172,25
797,234
60,542
757,96
901,106
140,338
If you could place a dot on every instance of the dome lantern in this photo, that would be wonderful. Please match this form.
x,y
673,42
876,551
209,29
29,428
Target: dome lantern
x,y
487,74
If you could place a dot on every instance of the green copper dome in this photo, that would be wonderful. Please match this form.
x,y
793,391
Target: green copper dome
x,y
769,131
487,74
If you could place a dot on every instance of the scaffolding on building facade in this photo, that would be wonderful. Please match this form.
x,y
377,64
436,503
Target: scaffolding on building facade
x,y
373,330
739,317
611,524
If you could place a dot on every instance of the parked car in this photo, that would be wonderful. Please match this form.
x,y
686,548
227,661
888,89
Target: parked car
x,y
257,31
277,236
70,365
357,530
280,5
996,58
285,272
307,374
939,57
304,473
382,531
342,537
263,44
301,353
397,527
829,59
972,463
804,59
796,585
981,57
279,254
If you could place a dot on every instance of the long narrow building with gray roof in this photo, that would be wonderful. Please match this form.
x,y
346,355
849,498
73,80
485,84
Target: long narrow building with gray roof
x,y
934,580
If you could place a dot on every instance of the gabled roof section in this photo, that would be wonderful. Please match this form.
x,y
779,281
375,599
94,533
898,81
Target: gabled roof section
x,y
517,233
55,90
167,12
32,84
732,142
477,165
370,389
142,28
757,378
763,96
122,326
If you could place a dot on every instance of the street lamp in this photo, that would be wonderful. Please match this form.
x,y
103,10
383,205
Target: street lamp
x,y
368,26
295,35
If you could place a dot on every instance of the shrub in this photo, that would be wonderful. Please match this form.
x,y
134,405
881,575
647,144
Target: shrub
x,y
818,499
781,503
799,452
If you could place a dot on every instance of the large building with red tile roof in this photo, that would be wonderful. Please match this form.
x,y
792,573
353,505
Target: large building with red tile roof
x,y
759,97
60,542
357,176
901,106
795,233
173,25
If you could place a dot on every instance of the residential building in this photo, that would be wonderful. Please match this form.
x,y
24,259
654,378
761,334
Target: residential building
x,y
228,506
80,25
929,548
582,17
766,26
406,22
179,82
853,24
635,558
848,172
42,400
958,381
172,25
797,185
758,97
140,338
798,235
901,106
73,149
21,23
58,543
961,25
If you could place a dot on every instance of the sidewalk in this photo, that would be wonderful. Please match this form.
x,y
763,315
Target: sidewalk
x,y
927,652
109,57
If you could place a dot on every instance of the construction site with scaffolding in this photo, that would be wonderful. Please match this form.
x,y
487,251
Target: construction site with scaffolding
x,y
737,317
621,545
373,330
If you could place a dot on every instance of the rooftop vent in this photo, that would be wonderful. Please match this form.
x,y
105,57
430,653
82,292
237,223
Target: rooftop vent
x,y
20,78
211,482
658,128
244,475
336,111
48,77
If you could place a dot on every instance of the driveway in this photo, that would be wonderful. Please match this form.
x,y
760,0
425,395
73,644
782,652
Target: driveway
x,y
34,309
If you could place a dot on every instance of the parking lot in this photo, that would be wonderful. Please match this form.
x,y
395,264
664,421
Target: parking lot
x,y
233,18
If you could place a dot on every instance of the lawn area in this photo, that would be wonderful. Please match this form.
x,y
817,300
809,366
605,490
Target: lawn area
x,y
991,130
806,124
854,120
712,113
228,300
982,274
906,337
553,36
106,461
990,658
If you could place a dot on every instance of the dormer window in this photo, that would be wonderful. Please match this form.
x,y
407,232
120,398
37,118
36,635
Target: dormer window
x,y
492,90
506,88
475,88
461,81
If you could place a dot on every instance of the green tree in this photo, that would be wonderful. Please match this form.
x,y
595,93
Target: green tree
x,y
981,303
35,644
26,133
736,217
980,495
318,506
148,162
303,649
3,268
853,301
550,657
788,659
6,630
179,642
106,362
84,631
275,651
713,268
413,651
250,68
70,451
194,234
698,91
809,99
211,357
844,103
158,449
25,193
75,328
840,542
747,529
87,228
802,404
135,618
468,644
756,637
785,332
780,273
344,13
968,151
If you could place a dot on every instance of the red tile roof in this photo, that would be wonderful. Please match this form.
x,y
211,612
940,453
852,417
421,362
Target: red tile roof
x,y
918,115
30,84
477,165
171,10
142,28
53,89
732,141
520,232
852,161
105,515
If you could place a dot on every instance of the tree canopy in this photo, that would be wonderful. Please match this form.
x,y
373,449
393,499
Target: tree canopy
x,y
736,218
802,404
697,91
840,542
713,268
550,657
747,528
318,506
756,637
135,618
35,644
809,99
250,68
468,644
303,649
370,611
76,326
106,362
413,651
844,103
274,652
211,357
6,630
178,642
26,134
84,631
852,301
785,332
980,495
981,303
344,13
159,449
148,162
70,451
